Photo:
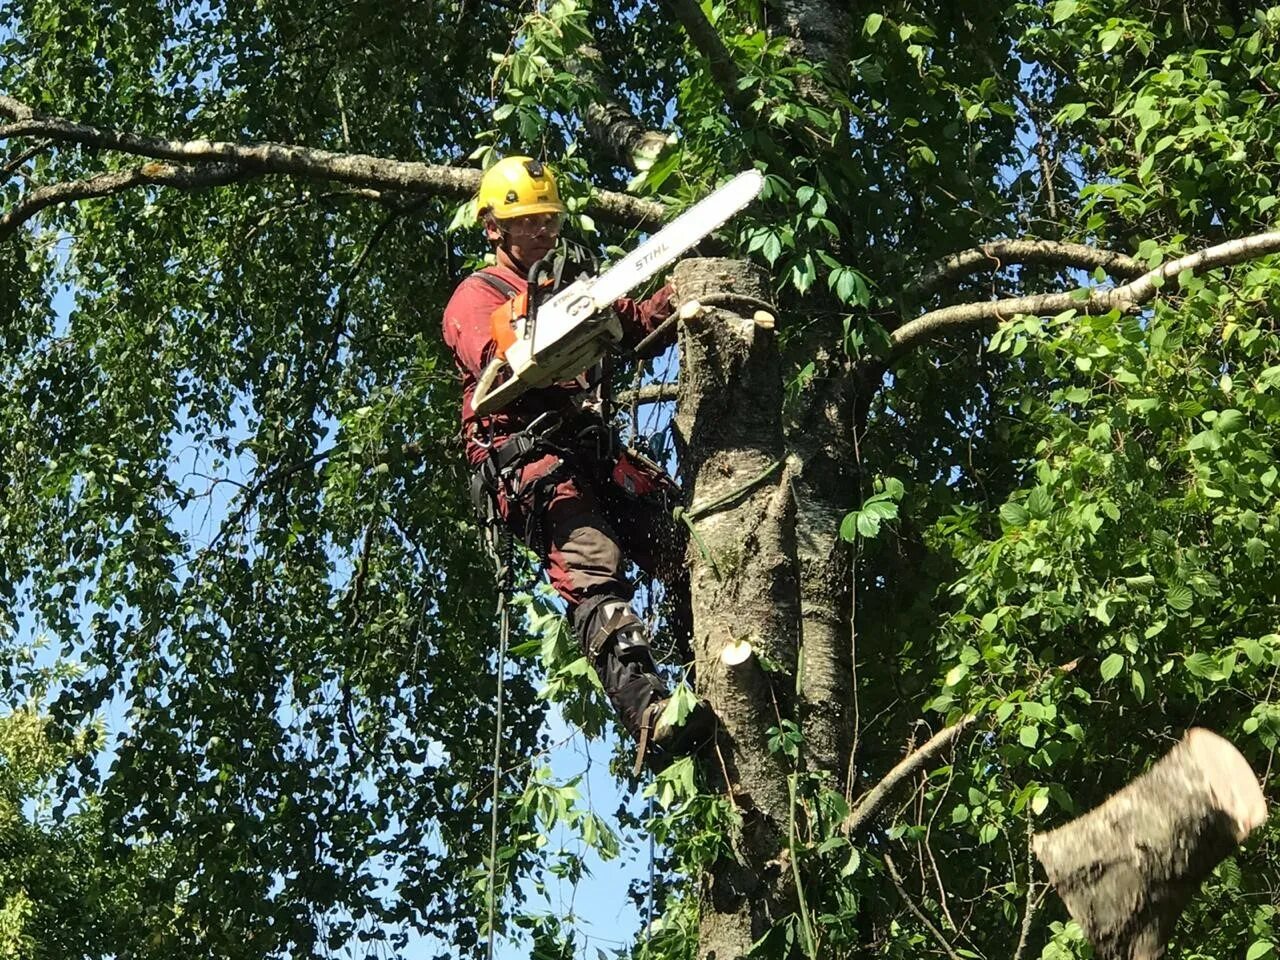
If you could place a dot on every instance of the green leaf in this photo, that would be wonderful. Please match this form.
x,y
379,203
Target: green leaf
x,y
1230,421
1139,682
1101,613
1204,666
1112,666
1260,950
1071,113
872,24
679,705
1040,503
1146,110
1014,515
832,843
1256,550
1029,736
848,529
868,524
1179,597
1063,9
880,508
771,248
851,865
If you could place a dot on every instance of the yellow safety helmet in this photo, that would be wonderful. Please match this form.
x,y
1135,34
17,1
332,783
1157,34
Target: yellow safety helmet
x,y
517,187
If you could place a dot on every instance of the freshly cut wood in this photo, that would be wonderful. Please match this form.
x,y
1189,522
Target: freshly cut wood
x,y
736,653
1126,869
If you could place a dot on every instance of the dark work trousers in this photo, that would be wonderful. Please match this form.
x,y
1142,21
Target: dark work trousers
x,y
585,528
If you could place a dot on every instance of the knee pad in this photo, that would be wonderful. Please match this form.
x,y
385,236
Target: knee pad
x,y
601,619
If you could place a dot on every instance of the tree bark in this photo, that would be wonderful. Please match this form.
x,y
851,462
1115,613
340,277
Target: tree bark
x,y
824,485
1126,869
743,587
609,122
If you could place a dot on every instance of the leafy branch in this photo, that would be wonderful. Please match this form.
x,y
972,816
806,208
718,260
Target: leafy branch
x,y
1126,298
702,34
265,158
106,184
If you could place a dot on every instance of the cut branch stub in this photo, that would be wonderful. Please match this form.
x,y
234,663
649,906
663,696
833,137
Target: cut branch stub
x,y
1126,869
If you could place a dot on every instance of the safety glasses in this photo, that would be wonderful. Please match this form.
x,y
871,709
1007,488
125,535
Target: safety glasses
x,y
533,225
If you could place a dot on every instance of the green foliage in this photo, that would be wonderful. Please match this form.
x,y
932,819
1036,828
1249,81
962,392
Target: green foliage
x,y
64,888
233,495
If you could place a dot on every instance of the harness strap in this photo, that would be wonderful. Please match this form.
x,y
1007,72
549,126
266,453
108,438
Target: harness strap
x,y
642,747
505,288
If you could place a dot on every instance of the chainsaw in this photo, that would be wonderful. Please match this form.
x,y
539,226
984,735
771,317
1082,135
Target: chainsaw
x,y
544,343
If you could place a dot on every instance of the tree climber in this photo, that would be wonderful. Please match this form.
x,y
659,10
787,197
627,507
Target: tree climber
x,y
549,465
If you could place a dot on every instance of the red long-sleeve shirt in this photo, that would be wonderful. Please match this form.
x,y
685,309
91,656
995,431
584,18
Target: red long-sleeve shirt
x,y
467,331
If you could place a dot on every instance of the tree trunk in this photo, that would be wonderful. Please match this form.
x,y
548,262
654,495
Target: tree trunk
x,y
824,485
1126,869
744,587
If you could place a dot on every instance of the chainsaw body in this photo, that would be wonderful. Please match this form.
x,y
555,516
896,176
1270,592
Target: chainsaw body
x,y
553,342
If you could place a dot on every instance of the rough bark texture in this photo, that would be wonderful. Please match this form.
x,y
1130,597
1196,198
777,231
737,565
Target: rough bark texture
x,y
822,28
609,122
1126,870
823,461
743,584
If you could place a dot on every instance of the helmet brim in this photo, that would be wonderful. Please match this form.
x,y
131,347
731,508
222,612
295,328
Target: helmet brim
x,y
525,210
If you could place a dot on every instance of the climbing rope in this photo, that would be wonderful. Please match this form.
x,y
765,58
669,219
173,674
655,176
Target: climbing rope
x,y
503,560
687,515
648,920
692,513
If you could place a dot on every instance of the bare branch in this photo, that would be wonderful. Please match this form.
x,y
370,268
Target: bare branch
x,y
14,110
919,914
11,167
650,393
873,801
1126,298
609,122
358,169
1002,253
1034,898
703,35
184,178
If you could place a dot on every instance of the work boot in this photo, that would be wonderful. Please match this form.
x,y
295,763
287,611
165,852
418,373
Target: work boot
x,y
618,646
678,740
615,642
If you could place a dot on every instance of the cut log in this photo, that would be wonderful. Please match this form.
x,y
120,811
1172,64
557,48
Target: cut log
x,y
1126,869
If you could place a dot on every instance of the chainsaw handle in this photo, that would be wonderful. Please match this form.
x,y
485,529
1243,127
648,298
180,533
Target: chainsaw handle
x,y
540,268
490,373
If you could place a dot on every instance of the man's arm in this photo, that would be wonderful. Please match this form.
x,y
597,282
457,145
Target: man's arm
x,y
639,319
